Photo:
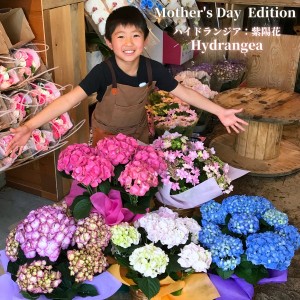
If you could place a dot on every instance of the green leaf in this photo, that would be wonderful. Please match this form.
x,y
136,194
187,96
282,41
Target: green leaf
x,y
118,170
140,208
123,261
60,294
250,272
27,295
104,187
78,199
173,265
12,268
224,274
86,290
65,175
149,286
67,279
82,209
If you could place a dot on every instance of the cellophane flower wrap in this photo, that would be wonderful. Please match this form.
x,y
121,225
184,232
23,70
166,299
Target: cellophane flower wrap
x,y
118,163
28,62
8,77
44,92
55,255
247,236
171,114
195,174
157,246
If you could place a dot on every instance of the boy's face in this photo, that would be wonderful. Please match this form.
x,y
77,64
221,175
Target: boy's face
x,y
127,42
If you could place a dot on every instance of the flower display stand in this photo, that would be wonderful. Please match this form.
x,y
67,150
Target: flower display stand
x,y
59,24
261,149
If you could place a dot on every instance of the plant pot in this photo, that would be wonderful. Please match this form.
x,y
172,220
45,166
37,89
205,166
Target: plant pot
x,y
137,294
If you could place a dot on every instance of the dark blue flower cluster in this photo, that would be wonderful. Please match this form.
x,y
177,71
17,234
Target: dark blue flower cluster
x,y
244,216
208,234
291,234
270,250
212,211
275,218
243,224
253,205
146,4
226,252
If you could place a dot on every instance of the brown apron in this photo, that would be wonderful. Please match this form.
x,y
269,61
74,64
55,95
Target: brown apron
x,y
122,109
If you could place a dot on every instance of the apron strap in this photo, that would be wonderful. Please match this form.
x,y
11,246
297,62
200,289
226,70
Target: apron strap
x,y
113,76
149,72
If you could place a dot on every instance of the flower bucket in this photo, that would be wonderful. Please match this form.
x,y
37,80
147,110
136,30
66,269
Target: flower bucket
x,y
137,294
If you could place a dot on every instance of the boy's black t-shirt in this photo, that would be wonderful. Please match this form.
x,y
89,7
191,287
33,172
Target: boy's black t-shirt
x,y
99,78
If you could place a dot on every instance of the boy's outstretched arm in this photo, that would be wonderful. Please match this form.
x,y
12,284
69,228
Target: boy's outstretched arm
x,y
226,116
50,112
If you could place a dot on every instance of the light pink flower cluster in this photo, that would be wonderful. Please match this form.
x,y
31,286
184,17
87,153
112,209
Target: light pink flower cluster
x,y
45,232
61,125
44,93
118,149
42,139
28,60
166,227
143,171
191,79
38,277
92,232
85,263
19,104
8,77
190,163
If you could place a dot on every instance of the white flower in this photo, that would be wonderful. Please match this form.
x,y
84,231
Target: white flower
x,y
124,235
93,5
149,260
195,257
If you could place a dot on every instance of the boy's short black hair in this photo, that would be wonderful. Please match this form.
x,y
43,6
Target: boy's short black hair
x,y
125,15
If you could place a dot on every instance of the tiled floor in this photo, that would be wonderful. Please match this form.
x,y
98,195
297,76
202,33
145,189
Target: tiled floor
x,y
14,206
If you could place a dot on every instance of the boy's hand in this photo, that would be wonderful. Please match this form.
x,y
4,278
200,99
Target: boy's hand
x,y
21,137
231,121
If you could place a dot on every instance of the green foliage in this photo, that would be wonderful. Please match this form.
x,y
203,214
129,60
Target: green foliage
x,y
149,286
82,208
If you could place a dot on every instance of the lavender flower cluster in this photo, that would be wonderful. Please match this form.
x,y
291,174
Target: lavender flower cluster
x,y
253,221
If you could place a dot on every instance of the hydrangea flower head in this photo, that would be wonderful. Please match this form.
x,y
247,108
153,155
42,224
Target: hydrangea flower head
x,y
124,235
275,218
212,211
243,224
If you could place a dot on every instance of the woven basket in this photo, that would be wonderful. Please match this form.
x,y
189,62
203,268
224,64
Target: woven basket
x,y
137,294
182,212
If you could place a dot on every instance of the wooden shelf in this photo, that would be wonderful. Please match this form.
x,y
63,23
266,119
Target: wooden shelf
x,y
60,24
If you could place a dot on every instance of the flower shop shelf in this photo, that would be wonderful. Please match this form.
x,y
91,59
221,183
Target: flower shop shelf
x,y
261,149
59,24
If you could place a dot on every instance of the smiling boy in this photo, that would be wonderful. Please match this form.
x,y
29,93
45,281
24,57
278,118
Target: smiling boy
x,y
122,84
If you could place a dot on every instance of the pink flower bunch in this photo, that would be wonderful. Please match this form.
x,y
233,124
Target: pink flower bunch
x,y
94,170
45,93
84,165
8,77
143,171
19,104
118,149
4,140
38,277
190,163
61,125
45,232
28,60
74,156
42,139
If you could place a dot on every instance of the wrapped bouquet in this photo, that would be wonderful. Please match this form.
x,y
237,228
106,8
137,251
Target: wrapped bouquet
x,y
117,163
8,77
160,255
248,238
195,174
52,254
